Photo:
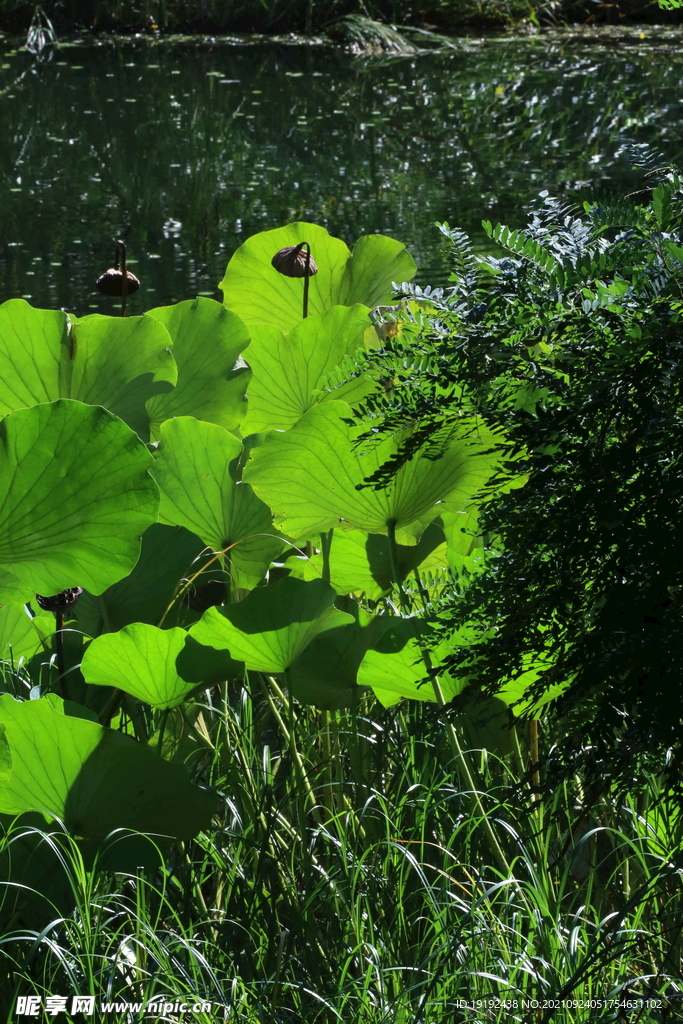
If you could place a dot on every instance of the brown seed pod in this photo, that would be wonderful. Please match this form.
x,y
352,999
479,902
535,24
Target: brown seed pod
x,y
291,261
58,602
111,282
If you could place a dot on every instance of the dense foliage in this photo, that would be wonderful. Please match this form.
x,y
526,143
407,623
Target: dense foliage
x,y
571,341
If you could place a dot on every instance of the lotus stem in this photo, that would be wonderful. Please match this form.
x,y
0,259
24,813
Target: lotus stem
x,y
307,278
59,646
121,249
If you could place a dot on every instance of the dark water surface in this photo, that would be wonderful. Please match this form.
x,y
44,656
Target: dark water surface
x,y
186,149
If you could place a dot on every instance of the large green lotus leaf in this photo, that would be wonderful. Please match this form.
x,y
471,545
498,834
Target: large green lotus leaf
x,y
212,379
288,371
359,561
376,262
139,659
21,635
148,663
311,476
273,625
168,555
396,668
258,293
325,674
94,779
75,497
198,492
115,362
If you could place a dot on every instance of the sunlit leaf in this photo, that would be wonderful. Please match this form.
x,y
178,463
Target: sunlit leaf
x,y
75,497
115,362
273,625
94,779
148,663
198,491
289,370
258,293
312,476
212,379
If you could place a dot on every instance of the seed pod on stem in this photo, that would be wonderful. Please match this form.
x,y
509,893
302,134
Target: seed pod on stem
x,y
118,281
292,261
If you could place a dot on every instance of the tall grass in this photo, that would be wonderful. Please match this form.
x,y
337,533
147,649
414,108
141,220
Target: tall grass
x,y
348,880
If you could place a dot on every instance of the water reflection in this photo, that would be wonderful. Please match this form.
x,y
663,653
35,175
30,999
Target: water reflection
x,y
185,150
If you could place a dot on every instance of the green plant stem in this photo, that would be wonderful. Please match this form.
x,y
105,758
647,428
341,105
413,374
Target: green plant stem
x,y
162,729
59,646
451,734
307,278
533,755
107,712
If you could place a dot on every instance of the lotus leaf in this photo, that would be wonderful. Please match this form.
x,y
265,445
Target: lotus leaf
x,y
212,379
93,779
198,491
396,668
20,634
273,625
254,290
359,561
290,370
326,674
158,666
115,362
168,554
75,497
312,476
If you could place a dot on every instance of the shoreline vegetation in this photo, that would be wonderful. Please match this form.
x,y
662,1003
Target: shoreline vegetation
x,y
391,25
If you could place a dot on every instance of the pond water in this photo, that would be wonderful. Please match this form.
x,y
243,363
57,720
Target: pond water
x,y
185,149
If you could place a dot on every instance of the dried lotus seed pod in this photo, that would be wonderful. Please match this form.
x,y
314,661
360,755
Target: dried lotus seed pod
x,y
58,602
111,282
292,260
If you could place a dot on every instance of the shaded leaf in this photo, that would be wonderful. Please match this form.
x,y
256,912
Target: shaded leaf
x,y
359,561
168,554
